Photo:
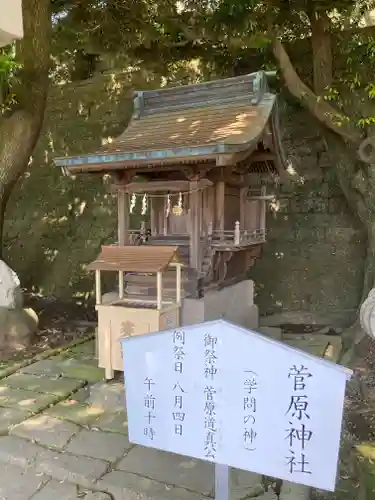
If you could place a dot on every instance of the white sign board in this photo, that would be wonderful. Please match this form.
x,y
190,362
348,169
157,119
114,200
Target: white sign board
x,y
218,392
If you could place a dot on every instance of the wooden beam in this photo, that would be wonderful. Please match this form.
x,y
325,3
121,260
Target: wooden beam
x,y
249,154
98,287
263,197
178,283
121,284
159,186
225,160
159,290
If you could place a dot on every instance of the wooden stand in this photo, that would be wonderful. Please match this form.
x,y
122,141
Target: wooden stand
x,y
129,315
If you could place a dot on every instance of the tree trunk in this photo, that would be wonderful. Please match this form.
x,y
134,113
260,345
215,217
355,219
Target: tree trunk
x,y
356,186
357,180
20,130
322,51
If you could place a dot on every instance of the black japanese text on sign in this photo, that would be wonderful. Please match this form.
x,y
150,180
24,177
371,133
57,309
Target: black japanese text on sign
x,y
150,408
298,434
250,386
210,394
178,413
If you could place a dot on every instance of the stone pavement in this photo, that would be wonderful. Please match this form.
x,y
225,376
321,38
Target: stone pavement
x,y
63,435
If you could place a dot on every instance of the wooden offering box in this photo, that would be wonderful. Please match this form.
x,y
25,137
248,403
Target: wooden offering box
x,y
131,314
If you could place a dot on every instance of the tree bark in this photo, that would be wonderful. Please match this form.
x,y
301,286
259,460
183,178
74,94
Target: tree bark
x,y
328,116
322,51
19,131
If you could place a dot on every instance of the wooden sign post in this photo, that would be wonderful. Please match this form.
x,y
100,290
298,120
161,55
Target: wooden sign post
x,y
221,393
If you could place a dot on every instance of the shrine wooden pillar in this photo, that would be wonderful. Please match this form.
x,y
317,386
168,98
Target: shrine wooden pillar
x,y
122,217
195,221
153,216
263,211
122,229
243,206
220,207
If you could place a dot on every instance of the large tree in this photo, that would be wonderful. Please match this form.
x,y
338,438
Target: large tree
x,y
343,107
24,97
335,83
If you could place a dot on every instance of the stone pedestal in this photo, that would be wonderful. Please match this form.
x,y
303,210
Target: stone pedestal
x,y
234,303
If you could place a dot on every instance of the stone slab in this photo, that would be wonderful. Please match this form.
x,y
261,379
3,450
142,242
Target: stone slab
x,y
66,467
10,417
111,422
44,367
75,412
70,368
19,484
81,358
84,348
89,372
82,394
110,396
17,451
46,430
61,387
25,400
60,466
176,470
97,444
125,486
67,491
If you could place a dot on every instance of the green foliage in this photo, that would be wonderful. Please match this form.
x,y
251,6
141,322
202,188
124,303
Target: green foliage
x,y
206,38
8,69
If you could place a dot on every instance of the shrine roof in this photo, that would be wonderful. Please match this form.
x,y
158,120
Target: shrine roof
x,y
140,259
190,123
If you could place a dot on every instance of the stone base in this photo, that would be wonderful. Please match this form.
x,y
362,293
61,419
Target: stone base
x,y
234,303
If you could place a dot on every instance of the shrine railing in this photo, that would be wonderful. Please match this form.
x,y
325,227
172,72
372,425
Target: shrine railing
x,y
238,237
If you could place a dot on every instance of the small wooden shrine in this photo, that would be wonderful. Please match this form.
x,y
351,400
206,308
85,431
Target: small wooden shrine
x,y
192,161
128,316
